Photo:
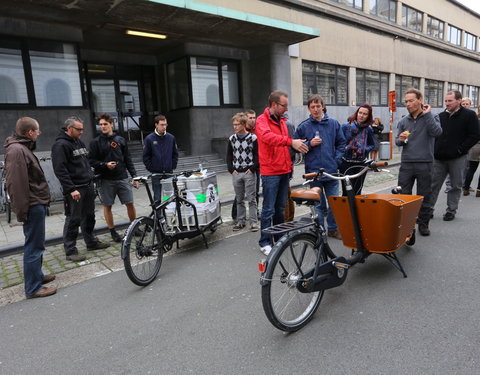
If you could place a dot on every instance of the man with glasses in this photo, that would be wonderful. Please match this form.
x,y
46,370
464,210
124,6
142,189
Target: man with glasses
x,y
110,158
30,196
73,170
275,162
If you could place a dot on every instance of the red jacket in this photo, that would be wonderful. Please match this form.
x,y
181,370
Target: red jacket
x,y
273,145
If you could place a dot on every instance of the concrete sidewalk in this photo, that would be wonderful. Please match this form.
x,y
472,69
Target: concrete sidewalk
x,y
108,260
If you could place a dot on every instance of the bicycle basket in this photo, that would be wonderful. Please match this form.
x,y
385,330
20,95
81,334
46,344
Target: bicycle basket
x,y
386,220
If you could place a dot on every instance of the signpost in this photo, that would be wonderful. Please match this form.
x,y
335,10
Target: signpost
x,y
392,107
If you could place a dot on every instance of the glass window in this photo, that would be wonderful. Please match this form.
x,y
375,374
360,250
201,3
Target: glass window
x,y
402,84
454,35
434,93
330,81
205,83
385,9
56,78
455,86
470,42
358,4
372,87
230,79
435,27
412,18
473,93
178,89
13,87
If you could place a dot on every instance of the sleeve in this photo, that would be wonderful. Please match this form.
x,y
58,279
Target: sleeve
x,y
340,144
174,154
300,134
127,159
95,158
256,163
60,159
472,135
400,129
434,129
147,154
17,183
266,135
230,156
370,141
380,128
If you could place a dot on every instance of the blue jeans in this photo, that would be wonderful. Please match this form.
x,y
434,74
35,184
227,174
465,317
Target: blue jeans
x,y
157,188
275,193
330,187
34,231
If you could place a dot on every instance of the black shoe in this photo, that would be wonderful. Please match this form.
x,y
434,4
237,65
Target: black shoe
x,y
423,229
448,216
76,257
97,246
115,236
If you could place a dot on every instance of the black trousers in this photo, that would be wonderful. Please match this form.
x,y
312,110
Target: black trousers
x,y
79,214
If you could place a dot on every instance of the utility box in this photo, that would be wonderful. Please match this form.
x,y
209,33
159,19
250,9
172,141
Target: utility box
x,y
384,151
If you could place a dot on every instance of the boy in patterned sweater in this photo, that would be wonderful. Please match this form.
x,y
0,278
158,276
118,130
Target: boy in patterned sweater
x,y
242,162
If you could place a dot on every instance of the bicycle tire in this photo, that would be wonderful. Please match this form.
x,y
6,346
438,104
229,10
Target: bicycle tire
x,y
8,210
144,252
285,306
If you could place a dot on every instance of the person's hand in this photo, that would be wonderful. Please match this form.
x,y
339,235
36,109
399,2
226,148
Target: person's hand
x,y
316,141
135,184
75,195
248,171
235,172
111,164
299,145
403,136
426,108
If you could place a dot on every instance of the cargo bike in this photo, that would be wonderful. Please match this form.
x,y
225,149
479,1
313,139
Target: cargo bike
x,y
180,214
301,265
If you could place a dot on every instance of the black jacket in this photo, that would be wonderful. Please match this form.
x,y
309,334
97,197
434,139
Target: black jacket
x,y
104,149
70,163
460,133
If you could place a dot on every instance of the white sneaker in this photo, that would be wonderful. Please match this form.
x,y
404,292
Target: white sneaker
x,y
266,249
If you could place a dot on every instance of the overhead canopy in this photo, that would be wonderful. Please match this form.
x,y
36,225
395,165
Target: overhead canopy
x,y
104,22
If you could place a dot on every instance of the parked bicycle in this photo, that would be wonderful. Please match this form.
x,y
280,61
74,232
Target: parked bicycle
x,y
4,197
149,237
301,265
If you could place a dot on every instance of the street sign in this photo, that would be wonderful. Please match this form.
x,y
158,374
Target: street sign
x,y
392,101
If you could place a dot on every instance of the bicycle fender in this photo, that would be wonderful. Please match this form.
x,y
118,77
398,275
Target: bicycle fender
x,y
125,249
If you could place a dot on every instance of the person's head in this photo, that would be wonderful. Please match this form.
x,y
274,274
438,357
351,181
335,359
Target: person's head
x,y
363,115
278,102
106,123
377,121
466,102
453,100
239,122
27,127
74,127
315,106
161,124
413,101
252,117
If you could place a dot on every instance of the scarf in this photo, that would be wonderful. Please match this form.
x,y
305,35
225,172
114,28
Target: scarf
x,y
358,143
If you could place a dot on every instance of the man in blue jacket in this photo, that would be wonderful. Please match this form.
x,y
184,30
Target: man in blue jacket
x,y
326,144
160,154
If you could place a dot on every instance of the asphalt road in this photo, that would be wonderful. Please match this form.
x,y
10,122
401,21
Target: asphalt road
x,y
204,316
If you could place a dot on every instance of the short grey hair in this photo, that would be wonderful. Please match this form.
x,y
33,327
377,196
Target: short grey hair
x,y
72,120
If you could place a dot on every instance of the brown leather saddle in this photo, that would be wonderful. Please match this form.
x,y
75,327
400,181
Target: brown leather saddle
x,y
309,196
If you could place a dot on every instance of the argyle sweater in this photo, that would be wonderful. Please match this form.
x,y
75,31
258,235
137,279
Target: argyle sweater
x,y
242,153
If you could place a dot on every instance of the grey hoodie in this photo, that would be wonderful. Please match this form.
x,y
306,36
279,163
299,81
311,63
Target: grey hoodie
x,y
419,145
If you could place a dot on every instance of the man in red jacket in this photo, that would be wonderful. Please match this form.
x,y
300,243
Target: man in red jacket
x,y
275,162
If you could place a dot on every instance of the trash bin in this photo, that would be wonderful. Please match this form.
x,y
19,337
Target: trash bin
x,y
384,152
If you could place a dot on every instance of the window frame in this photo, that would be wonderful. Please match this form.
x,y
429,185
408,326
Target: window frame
x,y
459,35
336,80
473,39
390,10
353,5
380,96
399,91
409,11
440,93
429,31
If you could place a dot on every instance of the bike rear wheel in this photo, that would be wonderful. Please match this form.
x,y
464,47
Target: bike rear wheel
x,y
143,251
286,307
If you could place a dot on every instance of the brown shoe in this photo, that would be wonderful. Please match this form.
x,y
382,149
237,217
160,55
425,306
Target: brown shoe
x,y
76,257
335,234
477,194
44,291
466,192
48,278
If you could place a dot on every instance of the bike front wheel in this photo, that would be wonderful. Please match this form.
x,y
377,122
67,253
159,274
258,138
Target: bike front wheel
x,y
286,307
142,251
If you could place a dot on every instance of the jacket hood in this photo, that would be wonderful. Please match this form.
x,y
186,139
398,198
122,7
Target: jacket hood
x,y
315,121
65,136
22,140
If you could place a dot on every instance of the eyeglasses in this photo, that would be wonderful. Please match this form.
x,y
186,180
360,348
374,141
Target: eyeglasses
x,y
282,105
78,129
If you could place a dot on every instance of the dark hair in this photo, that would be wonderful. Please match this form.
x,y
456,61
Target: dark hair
x,y
25,124
275,96
106,117
317,98
369,119
159,118
417,93
457,94
250,112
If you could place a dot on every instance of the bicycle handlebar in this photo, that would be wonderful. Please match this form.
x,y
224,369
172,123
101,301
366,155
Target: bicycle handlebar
x,y
166,175
370,165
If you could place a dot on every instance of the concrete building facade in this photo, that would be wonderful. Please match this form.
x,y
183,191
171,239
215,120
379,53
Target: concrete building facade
x,y
61,58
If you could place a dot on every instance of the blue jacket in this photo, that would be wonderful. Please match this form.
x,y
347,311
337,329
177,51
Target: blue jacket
x,y
328,154
160,153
